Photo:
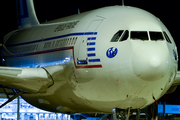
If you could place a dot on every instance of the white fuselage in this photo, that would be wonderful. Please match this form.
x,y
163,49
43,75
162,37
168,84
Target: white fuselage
x,y
99,74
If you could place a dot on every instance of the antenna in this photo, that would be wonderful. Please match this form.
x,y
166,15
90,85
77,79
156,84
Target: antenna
x,y
122,2
78,11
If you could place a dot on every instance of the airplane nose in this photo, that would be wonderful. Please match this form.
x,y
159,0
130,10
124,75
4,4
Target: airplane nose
x,y
150,62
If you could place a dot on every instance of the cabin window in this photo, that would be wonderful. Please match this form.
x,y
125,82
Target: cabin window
x,y
75,40
57,43
155,36
47,45
70,41
66,41
139,35
167,38
53,43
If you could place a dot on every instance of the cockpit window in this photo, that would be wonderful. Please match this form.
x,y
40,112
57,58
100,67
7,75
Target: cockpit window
x,y
167,38
155,36
121,35
125,36
139,35
117,36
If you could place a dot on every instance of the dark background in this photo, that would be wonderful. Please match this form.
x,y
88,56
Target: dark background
x,y
167,11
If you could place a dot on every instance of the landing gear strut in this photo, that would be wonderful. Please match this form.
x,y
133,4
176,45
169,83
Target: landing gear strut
x,y
120,114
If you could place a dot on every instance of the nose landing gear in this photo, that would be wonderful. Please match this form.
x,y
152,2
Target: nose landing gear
x,y
121,114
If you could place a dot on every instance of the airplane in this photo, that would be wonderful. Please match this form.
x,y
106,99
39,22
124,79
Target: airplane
x,y
111,58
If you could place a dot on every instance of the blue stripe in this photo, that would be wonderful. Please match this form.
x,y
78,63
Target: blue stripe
x,y
91,54
95,33
92,38
90,49
94,60
91,43
56,37
90,33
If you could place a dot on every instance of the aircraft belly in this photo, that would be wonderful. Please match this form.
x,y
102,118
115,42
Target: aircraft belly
x,y
95,93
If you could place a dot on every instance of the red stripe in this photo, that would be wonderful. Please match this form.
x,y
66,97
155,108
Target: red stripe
x,y
90,66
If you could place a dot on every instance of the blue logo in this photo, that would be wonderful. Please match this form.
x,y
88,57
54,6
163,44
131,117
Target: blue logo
x,y
111,52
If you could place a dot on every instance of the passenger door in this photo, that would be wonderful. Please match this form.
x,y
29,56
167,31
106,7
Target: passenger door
x,y
87,41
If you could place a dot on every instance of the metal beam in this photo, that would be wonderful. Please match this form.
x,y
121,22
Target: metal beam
x,y
18,114
11,99
104,117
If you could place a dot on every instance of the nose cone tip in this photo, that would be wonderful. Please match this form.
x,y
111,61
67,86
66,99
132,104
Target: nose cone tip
x,y
155,62
150,63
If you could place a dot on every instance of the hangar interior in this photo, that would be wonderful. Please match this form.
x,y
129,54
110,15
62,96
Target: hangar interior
x,y
18,109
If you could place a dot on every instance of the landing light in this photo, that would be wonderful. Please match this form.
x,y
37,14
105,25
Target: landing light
x,y
81,62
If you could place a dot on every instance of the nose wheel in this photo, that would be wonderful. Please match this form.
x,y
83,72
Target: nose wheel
x,y
124,114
